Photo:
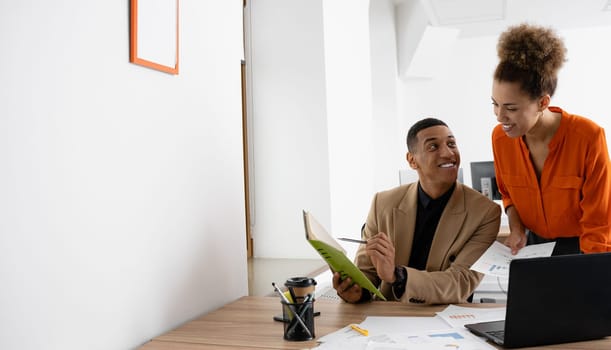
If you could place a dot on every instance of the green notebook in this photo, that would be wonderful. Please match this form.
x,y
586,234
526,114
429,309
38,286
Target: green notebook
x,y
335,255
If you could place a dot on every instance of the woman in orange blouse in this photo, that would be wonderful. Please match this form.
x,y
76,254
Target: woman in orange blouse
x,y
552,167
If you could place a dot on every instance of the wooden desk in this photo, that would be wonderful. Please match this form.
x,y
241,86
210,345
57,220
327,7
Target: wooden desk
x,y
247,324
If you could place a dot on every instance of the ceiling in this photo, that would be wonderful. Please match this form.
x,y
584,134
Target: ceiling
x,y
490,17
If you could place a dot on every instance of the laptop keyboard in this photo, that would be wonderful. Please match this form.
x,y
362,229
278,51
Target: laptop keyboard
x,y
328,293
497,334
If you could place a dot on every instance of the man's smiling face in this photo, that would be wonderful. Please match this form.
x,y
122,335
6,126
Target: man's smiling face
x,y
436,157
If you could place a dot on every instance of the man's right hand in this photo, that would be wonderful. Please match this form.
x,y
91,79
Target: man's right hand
x,y
348,291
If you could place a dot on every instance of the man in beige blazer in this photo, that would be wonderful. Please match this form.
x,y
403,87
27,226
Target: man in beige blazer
x,y
422,238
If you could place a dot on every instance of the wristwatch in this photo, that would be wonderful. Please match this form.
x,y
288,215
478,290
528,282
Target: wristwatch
x,y
398,286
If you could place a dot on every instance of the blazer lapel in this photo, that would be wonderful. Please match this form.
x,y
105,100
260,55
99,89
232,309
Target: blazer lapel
x,y
404,221
448,228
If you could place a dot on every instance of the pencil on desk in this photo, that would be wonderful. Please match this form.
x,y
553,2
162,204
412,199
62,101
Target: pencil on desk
x,y
359,329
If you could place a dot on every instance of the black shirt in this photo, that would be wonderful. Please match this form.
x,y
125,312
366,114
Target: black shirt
x,y
428,215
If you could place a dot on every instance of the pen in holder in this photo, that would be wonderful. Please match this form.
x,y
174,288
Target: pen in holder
x,y
300,316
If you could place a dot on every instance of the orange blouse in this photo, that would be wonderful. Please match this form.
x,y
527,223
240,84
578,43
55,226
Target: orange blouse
x,y
574,195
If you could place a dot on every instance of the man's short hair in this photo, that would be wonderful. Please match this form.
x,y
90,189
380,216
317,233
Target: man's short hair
x,y
415,129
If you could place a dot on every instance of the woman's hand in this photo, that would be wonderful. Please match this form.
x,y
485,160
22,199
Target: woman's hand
x,y
517,236
516,241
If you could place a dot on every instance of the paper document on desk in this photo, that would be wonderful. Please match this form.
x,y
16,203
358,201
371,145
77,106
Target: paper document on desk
x,y
379,326
495,261
459,316
403,333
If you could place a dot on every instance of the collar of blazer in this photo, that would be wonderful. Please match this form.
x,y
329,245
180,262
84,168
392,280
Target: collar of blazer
x,y
448,229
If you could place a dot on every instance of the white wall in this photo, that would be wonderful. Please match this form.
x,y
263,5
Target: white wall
x,y
461,98
349,114
410,22
323,117
290,149
121,188
389,143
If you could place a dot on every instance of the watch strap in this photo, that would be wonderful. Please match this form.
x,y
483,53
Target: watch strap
x,y
398,286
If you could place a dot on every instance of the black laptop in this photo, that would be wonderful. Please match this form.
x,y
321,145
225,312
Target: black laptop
x,y
552,300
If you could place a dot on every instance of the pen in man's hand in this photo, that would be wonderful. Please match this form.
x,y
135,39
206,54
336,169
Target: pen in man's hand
x,y
353,240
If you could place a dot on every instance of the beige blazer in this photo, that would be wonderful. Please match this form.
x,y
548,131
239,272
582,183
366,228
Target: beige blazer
x,y
468,226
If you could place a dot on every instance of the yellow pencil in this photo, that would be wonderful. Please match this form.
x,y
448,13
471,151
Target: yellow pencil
x,y
288,296
359,329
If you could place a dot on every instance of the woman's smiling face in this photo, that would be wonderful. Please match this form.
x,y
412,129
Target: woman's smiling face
x,y
514,109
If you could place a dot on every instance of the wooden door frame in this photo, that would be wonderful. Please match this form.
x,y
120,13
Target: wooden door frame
x,y
249,241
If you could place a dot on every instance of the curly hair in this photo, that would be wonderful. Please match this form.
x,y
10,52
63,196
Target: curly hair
x,y
531,56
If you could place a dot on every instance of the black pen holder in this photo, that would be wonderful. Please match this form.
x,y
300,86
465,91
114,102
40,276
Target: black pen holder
x,y
299,320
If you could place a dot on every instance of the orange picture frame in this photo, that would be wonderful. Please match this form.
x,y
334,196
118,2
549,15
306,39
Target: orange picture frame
x,y
154,34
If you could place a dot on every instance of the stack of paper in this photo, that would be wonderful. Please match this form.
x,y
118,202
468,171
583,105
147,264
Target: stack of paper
x,y
443,331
